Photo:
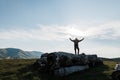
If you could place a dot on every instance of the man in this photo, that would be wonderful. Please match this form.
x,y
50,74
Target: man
x,y
76,41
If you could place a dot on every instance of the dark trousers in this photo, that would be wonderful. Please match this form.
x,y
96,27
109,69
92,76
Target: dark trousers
x,y
76,48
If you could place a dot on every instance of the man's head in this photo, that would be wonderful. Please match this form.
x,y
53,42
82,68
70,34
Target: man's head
x,y
76,39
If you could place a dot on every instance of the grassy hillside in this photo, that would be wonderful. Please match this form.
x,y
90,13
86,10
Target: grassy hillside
x,y
15,53
19,70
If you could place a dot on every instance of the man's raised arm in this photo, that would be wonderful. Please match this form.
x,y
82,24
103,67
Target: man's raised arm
x,y
81,40
71,40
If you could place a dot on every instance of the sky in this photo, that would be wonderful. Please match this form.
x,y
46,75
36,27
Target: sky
x,y
47,25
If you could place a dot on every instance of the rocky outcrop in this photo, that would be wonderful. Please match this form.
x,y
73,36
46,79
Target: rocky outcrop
x,y
61,63
116,73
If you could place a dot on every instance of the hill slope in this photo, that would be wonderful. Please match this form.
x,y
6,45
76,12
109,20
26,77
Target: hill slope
x,y
14,53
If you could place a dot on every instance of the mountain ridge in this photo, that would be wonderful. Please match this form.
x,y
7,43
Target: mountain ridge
x,y
15,53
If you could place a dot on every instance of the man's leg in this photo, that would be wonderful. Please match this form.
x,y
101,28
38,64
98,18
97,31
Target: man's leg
x,y
75,50
78,51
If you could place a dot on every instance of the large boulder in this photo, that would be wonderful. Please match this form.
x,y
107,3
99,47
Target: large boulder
x,y
67,63
93,60
116,73
69,70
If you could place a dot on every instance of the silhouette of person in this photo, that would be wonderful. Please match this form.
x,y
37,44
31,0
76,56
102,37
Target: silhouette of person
x,y
76,41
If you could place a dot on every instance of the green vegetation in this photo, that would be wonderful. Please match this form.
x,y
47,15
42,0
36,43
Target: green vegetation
x,y
19,69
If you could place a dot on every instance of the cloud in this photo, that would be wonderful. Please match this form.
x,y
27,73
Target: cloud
x,y
109,30
38,33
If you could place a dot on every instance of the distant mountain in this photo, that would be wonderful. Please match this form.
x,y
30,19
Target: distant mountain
x,y
111,59
14,53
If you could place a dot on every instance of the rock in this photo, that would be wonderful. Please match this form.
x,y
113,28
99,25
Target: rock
x,y
61,63
116,73
69,70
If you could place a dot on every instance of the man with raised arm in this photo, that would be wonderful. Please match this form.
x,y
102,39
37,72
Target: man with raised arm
x,y
76,41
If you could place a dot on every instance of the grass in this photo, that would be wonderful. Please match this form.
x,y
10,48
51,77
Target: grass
x,y
19,70
9,67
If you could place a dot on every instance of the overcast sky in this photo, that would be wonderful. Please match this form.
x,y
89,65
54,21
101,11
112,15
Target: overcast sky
x,y
47,25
